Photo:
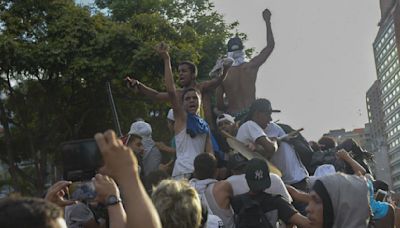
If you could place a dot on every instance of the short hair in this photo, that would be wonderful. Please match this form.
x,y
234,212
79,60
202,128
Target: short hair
x,y
205,165
177,204
191,65
28,213
327,142
190,89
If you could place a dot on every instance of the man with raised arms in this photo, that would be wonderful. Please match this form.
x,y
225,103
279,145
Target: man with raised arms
x,y
238,90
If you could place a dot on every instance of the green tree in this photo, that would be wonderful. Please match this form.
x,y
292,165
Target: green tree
x,y
57,56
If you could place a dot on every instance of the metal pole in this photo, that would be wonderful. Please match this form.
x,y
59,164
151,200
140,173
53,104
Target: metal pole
x,y
113,109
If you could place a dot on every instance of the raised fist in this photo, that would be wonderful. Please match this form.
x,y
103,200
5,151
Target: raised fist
x,y
266,15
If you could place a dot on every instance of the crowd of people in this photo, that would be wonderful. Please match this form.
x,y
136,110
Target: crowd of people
x,y
208,181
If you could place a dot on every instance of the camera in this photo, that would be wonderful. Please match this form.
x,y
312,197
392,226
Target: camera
x,y
80,159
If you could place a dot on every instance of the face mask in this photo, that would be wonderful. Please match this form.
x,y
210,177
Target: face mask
x,y
238,57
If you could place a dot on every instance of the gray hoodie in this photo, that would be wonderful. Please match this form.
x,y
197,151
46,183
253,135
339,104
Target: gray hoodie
x,y
349,196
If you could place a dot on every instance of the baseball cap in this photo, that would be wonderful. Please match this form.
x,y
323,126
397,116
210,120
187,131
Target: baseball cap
x,y
235,44
257,175
140,128
236,161
262,105
224,117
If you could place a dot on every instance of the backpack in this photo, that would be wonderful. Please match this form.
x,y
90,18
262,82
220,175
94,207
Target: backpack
x,y
251,214
300,145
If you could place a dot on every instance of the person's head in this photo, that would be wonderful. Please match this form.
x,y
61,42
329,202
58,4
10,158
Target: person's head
x,y
135,143
339,199
257,175
30,213
177,204
205,166
237,164
226,122
260,112
327,142
170,120
154,178
235,44
191,98
187,73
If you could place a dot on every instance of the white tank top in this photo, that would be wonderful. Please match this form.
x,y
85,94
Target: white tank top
x,y
187,148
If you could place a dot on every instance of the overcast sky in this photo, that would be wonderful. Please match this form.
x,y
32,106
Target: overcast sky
x,y
323,61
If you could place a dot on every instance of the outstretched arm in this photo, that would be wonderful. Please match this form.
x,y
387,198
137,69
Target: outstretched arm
x,y
215,82
357,168
179,114
136,85
258,60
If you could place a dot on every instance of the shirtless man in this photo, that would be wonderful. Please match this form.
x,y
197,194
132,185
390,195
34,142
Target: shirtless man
x,y
192,134
187,78
239,86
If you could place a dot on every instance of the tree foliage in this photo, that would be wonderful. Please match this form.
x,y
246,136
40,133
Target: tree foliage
x,y
56,58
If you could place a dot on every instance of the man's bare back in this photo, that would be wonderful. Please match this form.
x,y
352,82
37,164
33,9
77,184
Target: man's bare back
x,y
239,86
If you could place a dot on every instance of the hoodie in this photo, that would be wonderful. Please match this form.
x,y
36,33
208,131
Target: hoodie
x,y
349,197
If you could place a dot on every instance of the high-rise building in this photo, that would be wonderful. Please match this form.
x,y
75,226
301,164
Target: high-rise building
x,y
376,126
386,52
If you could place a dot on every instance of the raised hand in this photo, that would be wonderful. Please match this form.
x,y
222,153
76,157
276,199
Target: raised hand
x,y
105,186
162,49
266,15
56,193
119,161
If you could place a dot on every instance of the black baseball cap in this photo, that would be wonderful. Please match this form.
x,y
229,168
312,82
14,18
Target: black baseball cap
x,y
235,44
257,175
262,105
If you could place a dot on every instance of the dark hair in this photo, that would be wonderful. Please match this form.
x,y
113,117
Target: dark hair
x,y
154,178
28,213
259,105
191,65
205,165
190,89
133,136
326,142
379,184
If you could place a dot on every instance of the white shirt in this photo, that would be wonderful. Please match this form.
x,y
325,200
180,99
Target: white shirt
x,y
286,158
249,132
187,148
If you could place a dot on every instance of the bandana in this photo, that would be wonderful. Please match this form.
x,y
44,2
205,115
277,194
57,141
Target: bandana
x,y
237,56
196,125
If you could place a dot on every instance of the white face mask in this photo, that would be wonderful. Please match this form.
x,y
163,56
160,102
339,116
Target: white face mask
x,y
238,57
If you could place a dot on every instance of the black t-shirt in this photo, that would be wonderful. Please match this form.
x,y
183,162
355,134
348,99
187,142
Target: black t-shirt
x,y
268,203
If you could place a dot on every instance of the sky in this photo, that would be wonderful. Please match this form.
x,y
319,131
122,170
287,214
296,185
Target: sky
x,y
322,64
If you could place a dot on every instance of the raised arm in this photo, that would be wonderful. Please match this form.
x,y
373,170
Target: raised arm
x,y
357,168
215,82
179,114
258,60
136,85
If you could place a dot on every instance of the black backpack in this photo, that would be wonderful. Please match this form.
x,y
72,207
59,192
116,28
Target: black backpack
x,y
251,214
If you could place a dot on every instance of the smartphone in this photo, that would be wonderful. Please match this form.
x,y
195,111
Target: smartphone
x,y
80,159
381,195
82,191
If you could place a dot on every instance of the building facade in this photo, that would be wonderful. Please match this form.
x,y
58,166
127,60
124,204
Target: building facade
x,y
386,52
